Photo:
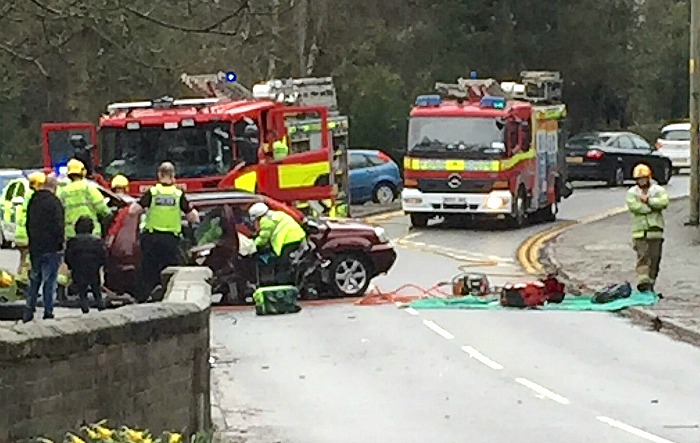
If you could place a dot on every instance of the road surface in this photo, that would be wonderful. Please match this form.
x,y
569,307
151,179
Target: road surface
x,y
346,373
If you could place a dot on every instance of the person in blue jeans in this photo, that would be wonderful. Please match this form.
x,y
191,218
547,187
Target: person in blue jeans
x,y
45,232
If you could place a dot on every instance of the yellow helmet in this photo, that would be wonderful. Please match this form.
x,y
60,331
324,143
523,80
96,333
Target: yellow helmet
x,y
76,167
36,180
641,171
119,181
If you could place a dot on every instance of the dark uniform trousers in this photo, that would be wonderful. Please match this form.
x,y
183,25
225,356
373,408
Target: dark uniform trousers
x,y
648,258
159,250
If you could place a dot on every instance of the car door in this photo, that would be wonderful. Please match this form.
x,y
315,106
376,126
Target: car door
x,y
6,206
10,208
624,149
360,178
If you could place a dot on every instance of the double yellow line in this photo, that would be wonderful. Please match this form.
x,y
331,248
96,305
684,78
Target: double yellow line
x,y
529,250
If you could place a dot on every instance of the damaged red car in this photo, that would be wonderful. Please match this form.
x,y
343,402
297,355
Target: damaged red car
x,y
356,252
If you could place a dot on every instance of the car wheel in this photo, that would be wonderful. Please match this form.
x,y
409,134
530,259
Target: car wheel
x,y
666,174
350,275
519,216
419,220
384,193
549,213
12,311
617,178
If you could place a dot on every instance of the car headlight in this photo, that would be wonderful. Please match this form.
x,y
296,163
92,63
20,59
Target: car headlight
x,y
381,235
494,202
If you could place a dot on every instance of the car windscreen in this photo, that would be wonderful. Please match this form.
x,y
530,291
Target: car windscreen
x,y
676,135
472,137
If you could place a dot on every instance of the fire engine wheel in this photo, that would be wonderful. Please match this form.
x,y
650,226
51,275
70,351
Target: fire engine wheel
x,y
350,275
518,217
419,220
383,193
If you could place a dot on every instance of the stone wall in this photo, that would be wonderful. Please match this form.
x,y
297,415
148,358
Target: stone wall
x,y
142,365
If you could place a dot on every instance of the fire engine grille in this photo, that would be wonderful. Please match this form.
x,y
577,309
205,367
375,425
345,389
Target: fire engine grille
x,y
466,186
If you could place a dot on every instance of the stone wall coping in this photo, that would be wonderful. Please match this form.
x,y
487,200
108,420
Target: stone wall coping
x,y
187,293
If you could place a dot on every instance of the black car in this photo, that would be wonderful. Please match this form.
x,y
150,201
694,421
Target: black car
x,y
611,157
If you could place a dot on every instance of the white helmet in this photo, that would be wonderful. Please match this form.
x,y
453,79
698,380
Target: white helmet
x,y
258,210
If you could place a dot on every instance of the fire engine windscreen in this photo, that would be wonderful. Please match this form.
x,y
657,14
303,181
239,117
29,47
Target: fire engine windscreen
x,y
468,137
197,151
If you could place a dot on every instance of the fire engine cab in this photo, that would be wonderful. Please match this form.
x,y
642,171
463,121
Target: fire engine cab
x,y
222,141
484,148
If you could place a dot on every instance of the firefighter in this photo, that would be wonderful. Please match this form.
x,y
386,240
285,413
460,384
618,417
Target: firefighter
x,y
280,149
279,231
160,240
646,202
82,152
81,197
36,181
120,186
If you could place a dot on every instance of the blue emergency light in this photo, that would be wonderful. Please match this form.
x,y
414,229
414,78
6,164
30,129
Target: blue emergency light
x,y
426,101
231,77
493,102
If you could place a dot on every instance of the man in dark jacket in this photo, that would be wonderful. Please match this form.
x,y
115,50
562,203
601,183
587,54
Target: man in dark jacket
x,y
85,257
45,232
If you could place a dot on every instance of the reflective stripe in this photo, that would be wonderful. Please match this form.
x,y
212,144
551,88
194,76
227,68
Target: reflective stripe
x,y
79,199
301,175
246,182
456,165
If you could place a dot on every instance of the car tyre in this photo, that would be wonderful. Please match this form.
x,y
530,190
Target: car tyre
x,y
665,174
350,275
617,177
384,193
12,311
518,217
419,220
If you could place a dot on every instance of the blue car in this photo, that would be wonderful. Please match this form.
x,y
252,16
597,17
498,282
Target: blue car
x,y
373,177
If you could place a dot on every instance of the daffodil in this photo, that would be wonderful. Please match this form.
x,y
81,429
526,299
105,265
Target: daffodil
x,y
175,438
44,440
135,436
103,433
72,438
92,435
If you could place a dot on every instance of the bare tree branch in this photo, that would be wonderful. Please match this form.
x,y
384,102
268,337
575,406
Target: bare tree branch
x,y
125,53
211,29
26,58
46,8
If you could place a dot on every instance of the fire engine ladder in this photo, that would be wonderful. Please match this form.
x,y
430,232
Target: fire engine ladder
x,y
308,91
542,86
216,85
471,89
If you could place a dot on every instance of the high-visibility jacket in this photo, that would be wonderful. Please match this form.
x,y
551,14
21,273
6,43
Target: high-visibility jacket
x,y
21,238
280,149
82,198
647,219
164,214
278,229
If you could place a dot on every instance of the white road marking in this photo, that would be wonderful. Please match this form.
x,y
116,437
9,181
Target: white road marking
x,y
411,311
542,391
438,330
411,235
481,358
632,430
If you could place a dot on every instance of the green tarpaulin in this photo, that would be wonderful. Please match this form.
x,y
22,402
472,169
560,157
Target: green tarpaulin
x,y
570,303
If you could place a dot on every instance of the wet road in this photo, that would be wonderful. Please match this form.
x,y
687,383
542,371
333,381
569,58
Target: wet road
x,y
346,373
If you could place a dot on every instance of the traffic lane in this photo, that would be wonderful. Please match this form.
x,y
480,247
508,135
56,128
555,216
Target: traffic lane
x,y
495,239
352,373
616,370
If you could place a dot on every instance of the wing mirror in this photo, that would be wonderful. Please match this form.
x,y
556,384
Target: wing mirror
x,y
18,201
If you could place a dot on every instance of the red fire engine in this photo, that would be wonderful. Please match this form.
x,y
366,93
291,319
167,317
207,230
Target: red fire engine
x,y
221,142
481,148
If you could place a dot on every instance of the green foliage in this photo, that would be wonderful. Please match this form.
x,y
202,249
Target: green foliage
x,y
624,61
